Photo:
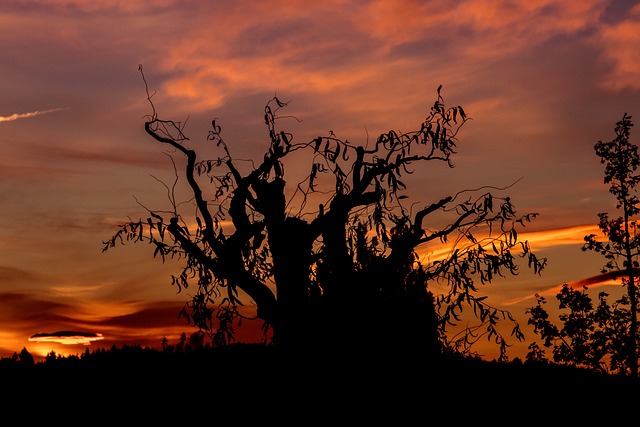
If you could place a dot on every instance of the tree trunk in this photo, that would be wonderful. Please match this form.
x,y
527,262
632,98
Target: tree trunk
x,y
291,247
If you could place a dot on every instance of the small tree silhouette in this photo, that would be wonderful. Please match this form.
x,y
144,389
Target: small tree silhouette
x,y
593,337
332,262
605,337
26,358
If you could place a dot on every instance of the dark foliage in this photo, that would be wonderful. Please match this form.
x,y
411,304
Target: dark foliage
x,y
603,337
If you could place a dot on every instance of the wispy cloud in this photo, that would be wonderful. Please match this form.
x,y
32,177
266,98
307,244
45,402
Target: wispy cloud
x,y
593,282
66,337
538,240
17,116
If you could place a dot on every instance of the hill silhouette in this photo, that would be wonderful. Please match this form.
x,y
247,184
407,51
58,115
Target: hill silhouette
x,y
252,377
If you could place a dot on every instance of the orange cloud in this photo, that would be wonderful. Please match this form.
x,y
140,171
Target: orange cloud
x,y
620,43
354,44
574,235
511,25
66,337
538,240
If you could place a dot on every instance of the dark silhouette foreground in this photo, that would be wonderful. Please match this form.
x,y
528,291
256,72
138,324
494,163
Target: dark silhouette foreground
x,y
247,376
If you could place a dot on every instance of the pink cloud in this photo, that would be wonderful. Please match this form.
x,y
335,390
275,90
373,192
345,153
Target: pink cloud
x,y
620,44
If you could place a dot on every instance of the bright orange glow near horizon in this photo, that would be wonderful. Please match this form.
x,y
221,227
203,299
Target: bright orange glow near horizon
x,y
542,80
66,337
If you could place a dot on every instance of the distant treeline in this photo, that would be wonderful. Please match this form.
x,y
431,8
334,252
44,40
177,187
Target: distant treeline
x,y
194,349
193,356
239,377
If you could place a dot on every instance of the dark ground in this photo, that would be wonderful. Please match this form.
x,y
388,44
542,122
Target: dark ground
x,y
254,385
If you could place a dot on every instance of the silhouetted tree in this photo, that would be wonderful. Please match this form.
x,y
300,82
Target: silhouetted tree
x,y
593,337
196,341
51,357
26,358
604,338
180,347
332,261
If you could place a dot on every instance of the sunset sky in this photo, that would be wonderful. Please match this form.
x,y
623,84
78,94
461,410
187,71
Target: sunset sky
x,y
542,80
